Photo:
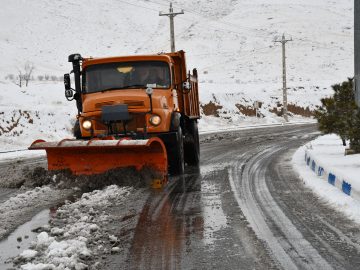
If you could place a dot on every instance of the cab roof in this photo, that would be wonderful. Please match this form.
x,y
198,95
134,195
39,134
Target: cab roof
x,y
103,60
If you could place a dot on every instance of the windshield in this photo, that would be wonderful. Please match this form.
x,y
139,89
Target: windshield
x,y
126,75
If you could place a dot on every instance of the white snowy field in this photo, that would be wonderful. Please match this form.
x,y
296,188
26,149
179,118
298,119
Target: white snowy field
x,y
39,111
329,153
230,42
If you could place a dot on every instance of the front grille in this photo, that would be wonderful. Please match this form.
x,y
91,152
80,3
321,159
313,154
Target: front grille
x,y
137,121
134,103
101,104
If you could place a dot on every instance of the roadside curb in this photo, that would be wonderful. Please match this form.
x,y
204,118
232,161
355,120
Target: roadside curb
x,y
331,176
255,126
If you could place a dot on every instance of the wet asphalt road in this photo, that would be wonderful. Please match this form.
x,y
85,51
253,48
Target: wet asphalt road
x,y
245,208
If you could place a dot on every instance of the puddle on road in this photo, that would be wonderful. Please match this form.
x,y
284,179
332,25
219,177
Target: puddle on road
x,y
9,246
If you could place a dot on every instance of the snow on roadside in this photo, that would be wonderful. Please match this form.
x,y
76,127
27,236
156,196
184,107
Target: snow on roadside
x,y
76,234
13,210
329,152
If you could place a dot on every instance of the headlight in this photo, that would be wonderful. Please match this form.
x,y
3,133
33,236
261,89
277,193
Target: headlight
x,y
155,120
86,124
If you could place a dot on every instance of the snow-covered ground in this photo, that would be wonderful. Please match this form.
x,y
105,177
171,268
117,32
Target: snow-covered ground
x,y
323,166
67,247
230,42
35,112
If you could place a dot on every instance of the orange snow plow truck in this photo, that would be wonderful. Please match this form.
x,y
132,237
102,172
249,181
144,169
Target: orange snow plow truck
x,y
133,111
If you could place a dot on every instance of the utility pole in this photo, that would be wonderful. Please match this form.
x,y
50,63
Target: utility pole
x,y
357,50
171,15
283,41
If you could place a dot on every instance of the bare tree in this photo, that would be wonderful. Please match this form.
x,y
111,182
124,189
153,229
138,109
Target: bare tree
x,y
24,75
19,78
28,68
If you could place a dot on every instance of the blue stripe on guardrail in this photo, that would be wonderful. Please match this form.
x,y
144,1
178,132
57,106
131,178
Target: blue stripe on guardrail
x,y
331,179
346,188
320,171
313,165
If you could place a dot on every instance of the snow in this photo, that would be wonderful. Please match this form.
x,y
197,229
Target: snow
x,y
215,219
237,60
35,112
67,247
328,152
220,126
40,266
23,199
28,253
21,154
43,240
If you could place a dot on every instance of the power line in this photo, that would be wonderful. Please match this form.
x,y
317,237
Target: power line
x,y
204,16
249,52
131,4
187,20
210,19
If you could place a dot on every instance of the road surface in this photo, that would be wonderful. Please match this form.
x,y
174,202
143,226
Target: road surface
x,y
244,208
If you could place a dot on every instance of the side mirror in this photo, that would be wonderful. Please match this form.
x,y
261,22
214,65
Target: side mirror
x,y
187,86
67,82
68,93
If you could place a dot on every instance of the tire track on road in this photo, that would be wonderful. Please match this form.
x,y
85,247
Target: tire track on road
x,y
285,241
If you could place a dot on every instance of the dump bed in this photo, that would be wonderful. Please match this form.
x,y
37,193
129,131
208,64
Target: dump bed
x,y
188,99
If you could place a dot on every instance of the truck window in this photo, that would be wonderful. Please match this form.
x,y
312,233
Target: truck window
x,y
126,75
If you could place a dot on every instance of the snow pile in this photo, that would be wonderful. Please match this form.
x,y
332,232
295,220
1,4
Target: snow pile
x,y
28,253
237,60
76,235
327,153
63,253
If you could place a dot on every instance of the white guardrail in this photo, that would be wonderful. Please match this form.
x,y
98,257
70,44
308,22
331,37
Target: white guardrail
x,y
331,176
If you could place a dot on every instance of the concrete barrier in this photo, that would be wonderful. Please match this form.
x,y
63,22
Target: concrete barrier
x,y
331,177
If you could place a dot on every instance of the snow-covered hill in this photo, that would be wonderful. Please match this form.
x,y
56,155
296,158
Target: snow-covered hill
x,y
229,41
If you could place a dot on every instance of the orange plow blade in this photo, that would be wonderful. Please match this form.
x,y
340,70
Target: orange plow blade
x,y
100,155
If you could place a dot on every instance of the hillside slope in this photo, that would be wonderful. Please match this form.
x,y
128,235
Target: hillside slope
x,y
229,41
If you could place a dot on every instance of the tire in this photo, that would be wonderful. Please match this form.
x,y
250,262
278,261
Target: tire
x,y
176,154
77,130
192,145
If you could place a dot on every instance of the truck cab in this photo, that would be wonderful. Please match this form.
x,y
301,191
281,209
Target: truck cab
x,y
138,97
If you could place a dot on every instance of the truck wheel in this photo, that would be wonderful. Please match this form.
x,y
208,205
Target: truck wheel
x,y
77,130
176,154
192,145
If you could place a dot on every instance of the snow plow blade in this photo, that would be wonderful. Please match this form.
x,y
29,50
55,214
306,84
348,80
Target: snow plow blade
x,y
100,155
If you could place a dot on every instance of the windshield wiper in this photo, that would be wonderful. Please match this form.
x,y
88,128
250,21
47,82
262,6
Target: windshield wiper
x,y
124,87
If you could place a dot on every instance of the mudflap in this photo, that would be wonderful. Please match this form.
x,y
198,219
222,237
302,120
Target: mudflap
x,y
100,155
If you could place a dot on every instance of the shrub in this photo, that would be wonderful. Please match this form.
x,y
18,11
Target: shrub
x,y
339,114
